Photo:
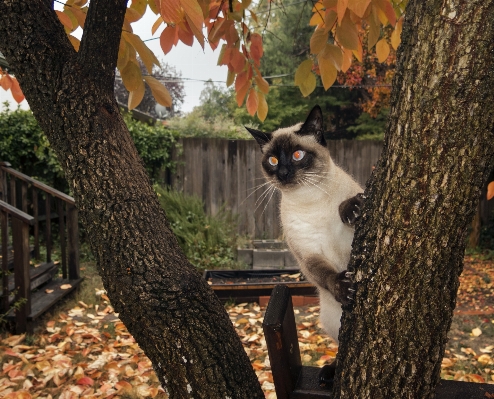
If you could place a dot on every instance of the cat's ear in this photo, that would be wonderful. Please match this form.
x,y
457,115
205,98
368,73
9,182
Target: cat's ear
x,y
314,126
262,138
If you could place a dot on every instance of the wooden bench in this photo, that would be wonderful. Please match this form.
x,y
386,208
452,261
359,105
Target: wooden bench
x,y
294,381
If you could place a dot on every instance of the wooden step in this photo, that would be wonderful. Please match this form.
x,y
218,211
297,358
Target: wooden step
x,y
39,275
41,300
11,255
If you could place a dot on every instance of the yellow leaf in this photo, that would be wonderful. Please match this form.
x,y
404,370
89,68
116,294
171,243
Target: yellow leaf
x,y
490,190
75,42
358,6
132,15
67,11
230,78
170,11
328,72
318,6
147,56
476,332
262,107
160,92
131,76
341,9
252,102
347,34
387,9
65,286
156,25
140,6
374,28
80,15
304,78
359,52
123,54
334,54
154,6
262,84
329,20
316,19
318,41
136,96
382,50
64,19
347,60
396,35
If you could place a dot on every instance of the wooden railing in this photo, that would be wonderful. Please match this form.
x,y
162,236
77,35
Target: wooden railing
x,y
24,193
19,222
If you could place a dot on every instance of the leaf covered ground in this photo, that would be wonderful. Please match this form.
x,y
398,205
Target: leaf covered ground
x,y
85,351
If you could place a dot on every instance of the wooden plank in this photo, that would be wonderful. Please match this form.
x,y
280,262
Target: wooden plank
x,y
61,235
5,261
261,196
73,242
3,185
280,333
24,196
16,213
231,181
13,193
48,242
20,242
204,171
34,194
37,276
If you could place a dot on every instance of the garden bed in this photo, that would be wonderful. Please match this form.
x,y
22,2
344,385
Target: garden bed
x,y
249,285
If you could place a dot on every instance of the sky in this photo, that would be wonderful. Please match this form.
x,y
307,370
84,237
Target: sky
x,y
195,64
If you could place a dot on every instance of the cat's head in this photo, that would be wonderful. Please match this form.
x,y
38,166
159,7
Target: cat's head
x,y
295,155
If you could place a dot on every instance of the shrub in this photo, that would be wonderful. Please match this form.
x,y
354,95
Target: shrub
x,y
209,242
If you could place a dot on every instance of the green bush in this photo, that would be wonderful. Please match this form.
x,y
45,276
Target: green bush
x,y
209,242
24,145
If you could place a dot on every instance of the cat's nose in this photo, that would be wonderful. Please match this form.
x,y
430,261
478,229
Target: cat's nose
x,y
283,173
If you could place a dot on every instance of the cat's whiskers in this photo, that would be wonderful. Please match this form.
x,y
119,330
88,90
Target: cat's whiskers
x,y
256,188
270,190
318,187
269,200
263,195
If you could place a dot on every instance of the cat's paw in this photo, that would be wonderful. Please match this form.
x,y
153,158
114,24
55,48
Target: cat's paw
x,y
350,209
326,375
344,288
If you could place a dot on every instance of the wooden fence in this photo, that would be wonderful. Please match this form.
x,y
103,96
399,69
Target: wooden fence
x,y
228,173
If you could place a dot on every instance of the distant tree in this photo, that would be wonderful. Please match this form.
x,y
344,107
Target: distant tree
x,y
165,74
215,101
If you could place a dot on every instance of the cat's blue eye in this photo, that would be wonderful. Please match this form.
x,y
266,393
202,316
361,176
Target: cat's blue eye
x,y
298,155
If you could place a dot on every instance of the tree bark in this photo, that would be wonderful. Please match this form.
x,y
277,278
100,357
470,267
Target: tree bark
x,y
166,305
409,246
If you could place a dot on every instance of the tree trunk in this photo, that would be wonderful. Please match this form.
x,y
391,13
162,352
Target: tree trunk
x,y
408,248
166,305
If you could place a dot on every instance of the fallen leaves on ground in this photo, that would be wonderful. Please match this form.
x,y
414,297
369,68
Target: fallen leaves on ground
x,y
86,352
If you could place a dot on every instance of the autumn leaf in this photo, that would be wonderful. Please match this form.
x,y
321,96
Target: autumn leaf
x,y
230,78
185,35
160,92
156,24
194,16
262,84
387,9
131,76
79,15
136,96
328,72
304,78
64,19
6,82
396,35
347,34
334,54
256,50
123,54
358,6
65,286
341,9
252,102
237,60
490,190
374,28
317,19
262,107
241,93
147,56
318,41
168,38
75,42
170,11
85,381
382,50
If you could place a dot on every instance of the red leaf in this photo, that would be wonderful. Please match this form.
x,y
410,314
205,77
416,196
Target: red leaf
x,y
256,50
6,82
167,38
170,11
237,60
185,35
85,381
252,102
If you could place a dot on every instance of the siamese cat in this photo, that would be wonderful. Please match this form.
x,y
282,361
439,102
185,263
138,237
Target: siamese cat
x,y
319,206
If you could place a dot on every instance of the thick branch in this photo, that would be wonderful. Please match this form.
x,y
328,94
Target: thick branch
x,y
100,41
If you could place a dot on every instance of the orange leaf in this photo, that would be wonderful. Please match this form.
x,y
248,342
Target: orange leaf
x,y
328,72
490,190
347,34
131,76
241,81
185,35
196,31
167,38
347,60
318,41
237,60
358,6
145,53
140,6
123,54
241,93
317,19
359,52
132,15
16,91
75,42
334,54
136,96
160,92
329,20
123,385
262,84
85,381
6,82
387,8
252,102
156,24
341,9
79,15
262,107
64,19
396,35
382,50
170,11
374,28
256,50
193,11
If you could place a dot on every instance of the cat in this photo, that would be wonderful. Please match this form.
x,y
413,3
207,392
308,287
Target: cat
x,y
319,207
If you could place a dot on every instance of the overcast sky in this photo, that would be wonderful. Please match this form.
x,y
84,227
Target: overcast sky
x,y
195,64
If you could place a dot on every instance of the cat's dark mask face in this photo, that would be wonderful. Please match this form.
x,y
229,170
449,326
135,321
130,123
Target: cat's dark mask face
x,y
293,155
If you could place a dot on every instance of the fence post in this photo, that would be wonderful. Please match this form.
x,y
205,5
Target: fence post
x,y
73,241
5,261
22,280
63,243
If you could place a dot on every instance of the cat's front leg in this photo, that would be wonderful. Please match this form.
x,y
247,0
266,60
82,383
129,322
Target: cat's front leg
x,y
350,209
322,273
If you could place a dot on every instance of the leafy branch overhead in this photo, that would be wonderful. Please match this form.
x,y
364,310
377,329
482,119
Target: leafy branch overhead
x,y
340,29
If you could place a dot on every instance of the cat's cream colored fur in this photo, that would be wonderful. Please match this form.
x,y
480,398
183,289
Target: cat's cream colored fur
x,y
311,221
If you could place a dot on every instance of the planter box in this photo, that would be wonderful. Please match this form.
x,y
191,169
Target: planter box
x,y
249,285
